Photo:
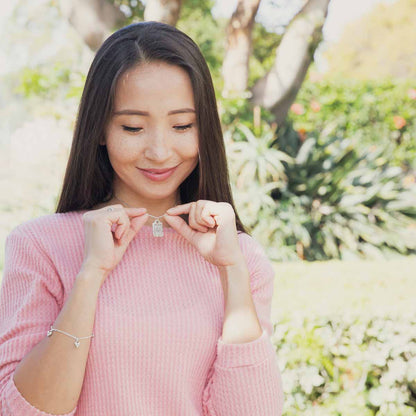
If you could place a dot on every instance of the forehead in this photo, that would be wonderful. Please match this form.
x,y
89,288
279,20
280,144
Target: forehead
x,y
154,83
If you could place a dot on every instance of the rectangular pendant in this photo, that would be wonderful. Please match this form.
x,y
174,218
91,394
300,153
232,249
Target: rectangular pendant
x,y
157,228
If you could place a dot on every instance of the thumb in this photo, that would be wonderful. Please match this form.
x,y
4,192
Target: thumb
x,y
136,224
180,225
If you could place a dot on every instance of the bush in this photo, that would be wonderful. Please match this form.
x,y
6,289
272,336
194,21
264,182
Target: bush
x,y
347,365
373,113
330,200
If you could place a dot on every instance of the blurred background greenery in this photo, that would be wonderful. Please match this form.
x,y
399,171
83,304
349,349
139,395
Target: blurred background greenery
x,y
323,165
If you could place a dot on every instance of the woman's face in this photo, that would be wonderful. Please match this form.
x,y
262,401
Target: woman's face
x,y
153,126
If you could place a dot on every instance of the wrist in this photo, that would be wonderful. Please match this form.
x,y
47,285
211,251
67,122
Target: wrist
x,y
92,274
89,267
233,275
237,262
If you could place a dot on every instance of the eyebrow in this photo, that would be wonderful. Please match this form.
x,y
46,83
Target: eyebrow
x,y
145,113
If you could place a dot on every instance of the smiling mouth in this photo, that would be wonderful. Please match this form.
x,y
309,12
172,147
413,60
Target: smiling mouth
x,y
158,174
159,170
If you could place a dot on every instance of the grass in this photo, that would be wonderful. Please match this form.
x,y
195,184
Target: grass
x,y
378,288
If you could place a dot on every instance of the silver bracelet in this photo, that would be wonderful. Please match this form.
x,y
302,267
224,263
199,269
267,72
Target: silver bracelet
x,y
63,332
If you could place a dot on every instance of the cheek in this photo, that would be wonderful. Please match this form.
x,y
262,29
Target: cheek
x,y
120,149
117,152
189,150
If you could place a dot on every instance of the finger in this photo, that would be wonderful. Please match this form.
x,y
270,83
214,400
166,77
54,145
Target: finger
x,y
115,218
138,221
120,218
205,215
180,209
193,221
180,225
133,212
136,224
204,222
118,208
119,232
198,212
123,225
136,213
117,228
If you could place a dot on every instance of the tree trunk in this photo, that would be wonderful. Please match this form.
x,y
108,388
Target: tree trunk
x,y
164,11
94,20
277,90
236,61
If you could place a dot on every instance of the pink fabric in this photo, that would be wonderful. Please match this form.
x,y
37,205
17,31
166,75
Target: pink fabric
x,y
157,347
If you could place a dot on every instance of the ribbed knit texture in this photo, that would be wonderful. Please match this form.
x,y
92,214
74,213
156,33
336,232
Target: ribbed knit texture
x,y
157,346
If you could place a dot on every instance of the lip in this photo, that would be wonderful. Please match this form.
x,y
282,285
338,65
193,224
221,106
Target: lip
x,y
159,170
157,174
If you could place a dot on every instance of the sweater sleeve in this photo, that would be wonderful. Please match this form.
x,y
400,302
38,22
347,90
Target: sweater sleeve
x,y
30,290
245,379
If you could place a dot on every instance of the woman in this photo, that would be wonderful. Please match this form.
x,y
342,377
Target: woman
x,y
142,294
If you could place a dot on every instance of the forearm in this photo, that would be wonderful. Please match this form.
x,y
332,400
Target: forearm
x,y
51,375
241,323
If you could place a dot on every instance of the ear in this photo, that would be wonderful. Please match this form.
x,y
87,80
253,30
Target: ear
x,y
102,142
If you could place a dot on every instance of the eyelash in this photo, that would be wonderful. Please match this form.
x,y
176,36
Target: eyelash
x,y
136,129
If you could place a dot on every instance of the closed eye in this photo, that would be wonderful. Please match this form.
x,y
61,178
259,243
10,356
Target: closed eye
x,y
136,129
188,126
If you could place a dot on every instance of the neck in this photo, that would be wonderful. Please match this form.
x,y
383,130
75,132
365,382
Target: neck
x,y
155,211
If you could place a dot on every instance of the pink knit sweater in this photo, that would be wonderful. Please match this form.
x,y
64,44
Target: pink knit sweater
x,y
157,347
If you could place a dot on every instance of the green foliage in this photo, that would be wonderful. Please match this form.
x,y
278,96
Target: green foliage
x,y
336,202
235,111
255,158
380,114
197,22
263,55
48,82
345,365
36,81
357,203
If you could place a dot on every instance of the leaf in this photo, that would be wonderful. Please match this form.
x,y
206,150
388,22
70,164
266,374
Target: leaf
x,y
305,151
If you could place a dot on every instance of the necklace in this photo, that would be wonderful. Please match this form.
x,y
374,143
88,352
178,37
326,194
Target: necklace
x,y
157,225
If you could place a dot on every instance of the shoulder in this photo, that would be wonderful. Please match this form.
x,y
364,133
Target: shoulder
x,y
246,240
37,250
254,254
47,229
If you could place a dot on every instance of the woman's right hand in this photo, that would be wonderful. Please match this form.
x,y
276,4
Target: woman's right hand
x,y
103,250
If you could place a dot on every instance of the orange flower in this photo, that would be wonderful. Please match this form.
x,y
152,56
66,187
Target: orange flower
x,y
297,108
315,106
399,122
302,134
412,93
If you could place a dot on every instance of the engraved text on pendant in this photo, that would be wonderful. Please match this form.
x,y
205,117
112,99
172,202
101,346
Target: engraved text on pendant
x,y
157,228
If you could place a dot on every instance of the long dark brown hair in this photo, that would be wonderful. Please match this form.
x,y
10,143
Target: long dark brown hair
x,y
89,175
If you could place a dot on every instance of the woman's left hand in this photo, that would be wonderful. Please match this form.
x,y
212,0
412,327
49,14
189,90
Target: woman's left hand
x,y
211,230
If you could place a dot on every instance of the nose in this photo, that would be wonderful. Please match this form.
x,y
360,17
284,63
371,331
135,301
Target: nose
x,y
158,148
